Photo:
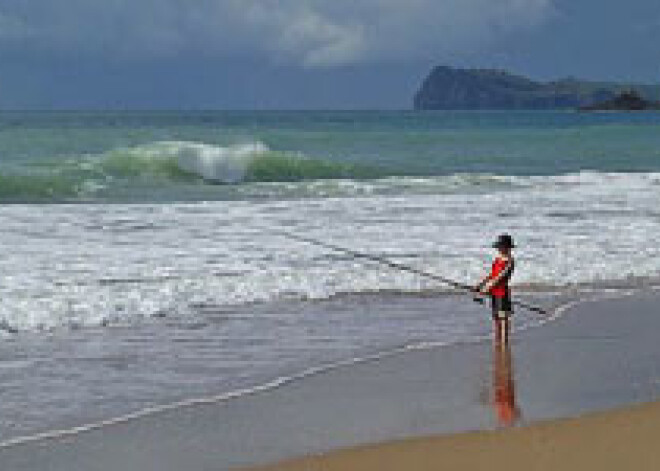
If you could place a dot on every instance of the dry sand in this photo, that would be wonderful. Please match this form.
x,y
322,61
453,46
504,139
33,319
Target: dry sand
x,y
619,440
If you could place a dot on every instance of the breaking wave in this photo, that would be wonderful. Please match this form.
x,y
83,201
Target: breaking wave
x,y
166,166
170,162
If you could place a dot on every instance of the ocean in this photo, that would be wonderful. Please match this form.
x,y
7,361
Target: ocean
x,y
143,259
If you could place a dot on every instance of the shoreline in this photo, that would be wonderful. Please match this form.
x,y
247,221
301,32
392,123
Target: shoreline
x,y
416,393
559,306
619,439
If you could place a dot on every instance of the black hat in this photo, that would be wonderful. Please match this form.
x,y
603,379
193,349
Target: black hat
x,y
504,240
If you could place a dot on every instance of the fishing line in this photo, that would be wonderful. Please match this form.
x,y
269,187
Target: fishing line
x,y
353,253
405,268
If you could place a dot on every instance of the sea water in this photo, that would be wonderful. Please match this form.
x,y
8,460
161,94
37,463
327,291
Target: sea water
x,y
144,257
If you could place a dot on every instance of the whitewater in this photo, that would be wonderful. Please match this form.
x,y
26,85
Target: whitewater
x,y
142,259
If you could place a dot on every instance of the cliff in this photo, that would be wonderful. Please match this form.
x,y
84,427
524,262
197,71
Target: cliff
x,y
447,88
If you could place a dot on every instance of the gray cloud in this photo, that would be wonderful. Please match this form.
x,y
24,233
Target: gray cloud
x,y
311,33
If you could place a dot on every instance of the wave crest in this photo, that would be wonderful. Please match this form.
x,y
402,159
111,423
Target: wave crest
x,y
246,162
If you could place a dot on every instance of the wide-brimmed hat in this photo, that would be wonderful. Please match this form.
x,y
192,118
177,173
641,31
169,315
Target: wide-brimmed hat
x,y
504,240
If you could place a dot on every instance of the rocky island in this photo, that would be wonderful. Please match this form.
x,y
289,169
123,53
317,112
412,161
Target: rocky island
x,y
626,101
448,88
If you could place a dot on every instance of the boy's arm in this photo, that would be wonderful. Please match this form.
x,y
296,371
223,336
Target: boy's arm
x,y
479,286
505,273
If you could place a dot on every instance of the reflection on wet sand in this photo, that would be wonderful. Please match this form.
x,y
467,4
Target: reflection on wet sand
x,y
504,388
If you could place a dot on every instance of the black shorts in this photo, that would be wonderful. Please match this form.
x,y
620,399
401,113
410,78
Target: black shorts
x,y
502,308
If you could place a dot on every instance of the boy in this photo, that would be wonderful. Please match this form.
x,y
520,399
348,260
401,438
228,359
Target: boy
x,y
496,284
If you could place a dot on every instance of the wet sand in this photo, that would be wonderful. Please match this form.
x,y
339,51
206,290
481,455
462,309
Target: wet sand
x,y
599,356
624,439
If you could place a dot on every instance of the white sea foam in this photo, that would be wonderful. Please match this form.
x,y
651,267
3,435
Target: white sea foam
x,y
86,265
216,163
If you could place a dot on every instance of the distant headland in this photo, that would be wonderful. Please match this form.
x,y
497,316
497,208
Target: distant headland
x,y
448,88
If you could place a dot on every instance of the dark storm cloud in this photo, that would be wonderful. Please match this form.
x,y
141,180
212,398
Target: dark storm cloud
x,y
303,32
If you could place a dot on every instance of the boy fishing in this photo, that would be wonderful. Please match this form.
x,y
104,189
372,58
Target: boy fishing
x,y
496,284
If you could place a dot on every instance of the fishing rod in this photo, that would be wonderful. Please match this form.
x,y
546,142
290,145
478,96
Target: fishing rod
x,y
398,266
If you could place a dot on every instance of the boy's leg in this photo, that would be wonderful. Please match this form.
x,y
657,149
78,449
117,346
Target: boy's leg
x,y
495,308
501,327
502,314
504,330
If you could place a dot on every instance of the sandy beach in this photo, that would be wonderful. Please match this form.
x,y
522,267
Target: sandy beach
x,y
598,356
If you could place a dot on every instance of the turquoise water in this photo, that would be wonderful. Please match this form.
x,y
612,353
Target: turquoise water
x,y
147,157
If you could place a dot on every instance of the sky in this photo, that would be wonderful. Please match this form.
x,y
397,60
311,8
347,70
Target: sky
x,y
302,54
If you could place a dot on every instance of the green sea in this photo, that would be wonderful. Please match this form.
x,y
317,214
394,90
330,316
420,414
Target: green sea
x,y
80,156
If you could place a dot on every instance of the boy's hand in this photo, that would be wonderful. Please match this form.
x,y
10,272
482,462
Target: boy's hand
x,y
486,287
479,286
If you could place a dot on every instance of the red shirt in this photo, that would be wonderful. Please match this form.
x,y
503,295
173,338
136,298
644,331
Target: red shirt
x,y
501,268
